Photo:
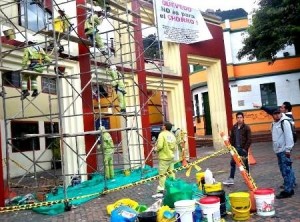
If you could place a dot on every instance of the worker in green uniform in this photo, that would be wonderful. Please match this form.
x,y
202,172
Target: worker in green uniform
x,y
107,145
39,60
118,84
166,144
91,30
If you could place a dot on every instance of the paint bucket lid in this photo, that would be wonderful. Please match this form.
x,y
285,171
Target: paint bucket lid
x,y
209,200
264,191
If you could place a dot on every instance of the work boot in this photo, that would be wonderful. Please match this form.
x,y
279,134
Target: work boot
x,y
229,181
24,94
123,110
34,93
284,194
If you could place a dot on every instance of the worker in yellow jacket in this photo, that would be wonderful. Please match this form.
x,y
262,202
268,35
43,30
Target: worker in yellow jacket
x,y
118,84
39,60
166,144
91,30
107,145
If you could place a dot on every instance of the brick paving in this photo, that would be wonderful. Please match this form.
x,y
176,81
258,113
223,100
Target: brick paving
x,y
265,173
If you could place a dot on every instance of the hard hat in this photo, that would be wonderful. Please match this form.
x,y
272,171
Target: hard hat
x,y
102,128
113,67
97,9
33,39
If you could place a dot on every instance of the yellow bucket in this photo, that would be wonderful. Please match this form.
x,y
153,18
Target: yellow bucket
x,y
199,176
240,205
212,187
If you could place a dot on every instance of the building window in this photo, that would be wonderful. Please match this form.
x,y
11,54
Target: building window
x,y
50,128
268,94
49,85
12,78
32,15
196,110
19,142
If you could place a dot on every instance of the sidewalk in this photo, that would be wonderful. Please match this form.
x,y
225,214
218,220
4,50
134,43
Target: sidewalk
x,y
265,173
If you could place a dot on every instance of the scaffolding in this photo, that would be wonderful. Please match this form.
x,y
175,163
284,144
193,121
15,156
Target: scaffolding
x,y
76,92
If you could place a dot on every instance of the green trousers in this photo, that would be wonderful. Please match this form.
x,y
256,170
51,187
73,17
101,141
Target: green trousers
x,y
163,167
109,166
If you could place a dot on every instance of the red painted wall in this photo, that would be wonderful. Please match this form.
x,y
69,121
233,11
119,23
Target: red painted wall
x,y
213,48
87,100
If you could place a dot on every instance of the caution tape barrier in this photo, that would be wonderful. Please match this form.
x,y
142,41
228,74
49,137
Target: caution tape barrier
x,y
150,179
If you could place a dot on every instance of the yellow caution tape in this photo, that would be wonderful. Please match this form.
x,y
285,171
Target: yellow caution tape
x,y
67,200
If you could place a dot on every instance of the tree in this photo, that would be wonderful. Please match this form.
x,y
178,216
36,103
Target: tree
x,y
151,47
231,14
276,24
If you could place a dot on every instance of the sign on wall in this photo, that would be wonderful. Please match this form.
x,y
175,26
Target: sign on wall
x,y
179,23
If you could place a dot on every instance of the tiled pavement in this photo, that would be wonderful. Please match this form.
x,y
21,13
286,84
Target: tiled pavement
x,y
265,173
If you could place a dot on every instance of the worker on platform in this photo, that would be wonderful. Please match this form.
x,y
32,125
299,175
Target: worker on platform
x,y
118,84
107,146
61,25
91,30
39,60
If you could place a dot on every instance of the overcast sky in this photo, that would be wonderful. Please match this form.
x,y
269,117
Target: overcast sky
x,y
248,5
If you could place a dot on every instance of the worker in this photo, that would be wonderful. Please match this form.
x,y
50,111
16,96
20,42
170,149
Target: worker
x,y
61,25
166,144
118,84
63,21
38,61
107,145
181,138
91,30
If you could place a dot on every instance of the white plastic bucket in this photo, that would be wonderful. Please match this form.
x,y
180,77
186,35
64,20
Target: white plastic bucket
x,y
184,210
264,199
210,207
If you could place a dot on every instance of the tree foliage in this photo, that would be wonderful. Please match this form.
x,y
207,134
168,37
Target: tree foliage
x,y
276,24
231,14
151,47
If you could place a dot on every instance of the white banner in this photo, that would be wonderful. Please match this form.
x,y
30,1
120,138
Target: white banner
x,y
180,23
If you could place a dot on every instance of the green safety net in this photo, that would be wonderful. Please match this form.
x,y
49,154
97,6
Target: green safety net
x,y
92,189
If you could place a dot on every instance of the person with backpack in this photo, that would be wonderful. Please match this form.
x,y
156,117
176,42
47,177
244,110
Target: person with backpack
x,y
282,145
285,108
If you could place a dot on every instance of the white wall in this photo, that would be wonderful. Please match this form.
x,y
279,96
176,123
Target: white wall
x,y
282,84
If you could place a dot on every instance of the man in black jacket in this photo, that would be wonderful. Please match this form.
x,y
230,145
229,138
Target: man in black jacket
x,y
240,138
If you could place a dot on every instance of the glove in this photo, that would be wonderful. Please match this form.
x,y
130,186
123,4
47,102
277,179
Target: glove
x,y
288,154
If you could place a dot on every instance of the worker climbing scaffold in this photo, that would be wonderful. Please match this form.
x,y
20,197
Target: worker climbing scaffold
x,y
118,84
39,60
91,30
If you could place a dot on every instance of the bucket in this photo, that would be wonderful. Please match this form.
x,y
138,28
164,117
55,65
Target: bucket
x,y
9,34
264,198
210,208
240,205
199,176
184,210
149,216
212,187
221,195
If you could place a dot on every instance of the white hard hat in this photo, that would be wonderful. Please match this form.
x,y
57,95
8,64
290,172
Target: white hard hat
x,y
97,9
113,67
33,39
